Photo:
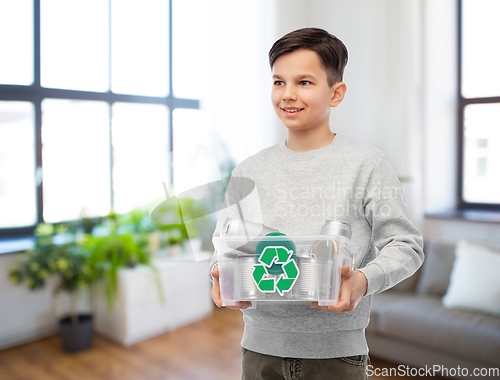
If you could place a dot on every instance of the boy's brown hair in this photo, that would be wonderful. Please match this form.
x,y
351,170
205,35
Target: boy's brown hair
x,y
331,51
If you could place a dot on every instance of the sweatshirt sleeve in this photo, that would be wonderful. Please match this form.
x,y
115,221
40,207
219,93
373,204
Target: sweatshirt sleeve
x,y
399,242
229,210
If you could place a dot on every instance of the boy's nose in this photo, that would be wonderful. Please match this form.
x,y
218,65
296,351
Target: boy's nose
x,y
289,94
289,97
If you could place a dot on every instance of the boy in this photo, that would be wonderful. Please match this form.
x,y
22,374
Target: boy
x,y
313,176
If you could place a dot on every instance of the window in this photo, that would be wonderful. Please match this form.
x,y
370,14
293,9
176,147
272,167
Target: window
x,y
86,107
479,105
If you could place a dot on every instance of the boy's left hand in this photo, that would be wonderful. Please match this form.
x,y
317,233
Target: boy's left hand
x,y
352,289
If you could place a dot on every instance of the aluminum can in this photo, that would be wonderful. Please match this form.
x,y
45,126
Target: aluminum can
x,y
306,287
245,287
249,233
334,227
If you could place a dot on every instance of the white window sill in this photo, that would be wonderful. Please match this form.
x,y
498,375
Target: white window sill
x,y
15,244
469,215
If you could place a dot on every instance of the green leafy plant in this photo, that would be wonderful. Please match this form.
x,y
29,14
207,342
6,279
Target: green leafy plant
x,y
90,249
119,242
68,260
80,253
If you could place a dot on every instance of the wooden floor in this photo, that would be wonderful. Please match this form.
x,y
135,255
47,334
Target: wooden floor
x,y
207,350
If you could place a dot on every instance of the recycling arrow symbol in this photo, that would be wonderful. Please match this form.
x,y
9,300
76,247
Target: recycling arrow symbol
x,y
284,283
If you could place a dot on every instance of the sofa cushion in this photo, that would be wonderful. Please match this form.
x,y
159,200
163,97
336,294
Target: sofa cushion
x,y
474,280
436,269
423,319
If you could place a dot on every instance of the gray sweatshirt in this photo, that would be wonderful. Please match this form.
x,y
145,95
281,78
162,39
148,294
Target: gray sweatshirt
x,y
295,193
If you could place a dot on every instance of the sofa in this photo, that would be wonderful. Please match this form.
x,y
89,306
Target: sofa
x,y
411,326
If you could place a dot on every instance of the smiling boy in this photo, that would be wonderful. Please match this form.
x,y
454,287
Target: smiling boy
x,y
302,95
303,340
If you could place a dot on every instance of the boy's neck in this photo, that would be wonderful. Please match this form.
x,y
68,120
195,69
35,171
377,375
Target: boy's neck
x,y
304,142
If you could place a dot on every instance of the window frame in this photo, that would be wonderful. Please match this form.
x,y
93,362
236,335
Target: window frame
x,y
35,94
462,103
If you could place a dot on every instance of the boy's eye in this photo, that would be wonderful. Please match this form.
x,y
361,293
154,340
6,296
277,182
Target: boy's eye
x,y
302,82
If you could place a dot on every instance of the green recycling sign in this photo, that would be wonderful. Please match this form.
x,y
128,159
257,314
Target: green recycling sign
x,y
285,281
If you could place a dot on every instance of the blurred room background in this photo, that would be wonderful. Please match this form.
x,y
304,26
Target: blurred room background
x,y
110,107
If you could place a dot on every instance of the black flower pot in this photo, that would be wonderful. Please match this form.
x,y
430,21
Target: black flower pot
x,y
76,337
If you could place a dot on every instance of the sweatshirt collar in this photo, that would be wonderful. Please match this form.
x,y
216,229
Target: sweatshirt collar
x,y
302,156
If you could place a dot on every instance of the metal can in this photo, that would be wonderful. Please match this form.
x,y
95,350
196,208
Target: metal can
x,y
334,227
244,285
306,287
248,232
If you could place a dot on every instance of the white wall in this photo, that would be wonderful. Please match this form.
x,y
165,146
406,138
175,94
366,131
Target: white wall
x,y
440,82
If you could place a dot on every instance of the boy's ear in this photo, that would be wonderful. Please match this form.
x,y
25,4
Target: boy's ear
x,y
338,92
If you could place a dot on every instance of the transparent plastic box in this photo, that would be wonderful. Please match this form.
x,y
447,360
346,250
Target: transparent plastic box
x,y
282,268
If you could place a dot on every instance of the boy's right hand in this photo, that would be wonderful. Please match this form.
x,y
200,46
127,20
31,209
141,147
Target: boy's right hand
x,y
216,293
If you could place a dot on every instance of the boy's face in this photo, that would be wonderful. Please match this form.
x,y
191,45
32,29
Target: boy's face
x,y
300,83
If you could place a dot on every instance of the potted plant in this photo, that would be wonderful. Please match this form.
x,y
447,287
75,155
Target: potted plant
x,y
60,252
117,243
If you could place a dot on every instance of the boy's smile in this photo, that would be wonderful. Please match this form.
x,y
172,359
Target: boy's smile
x,y
301,95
